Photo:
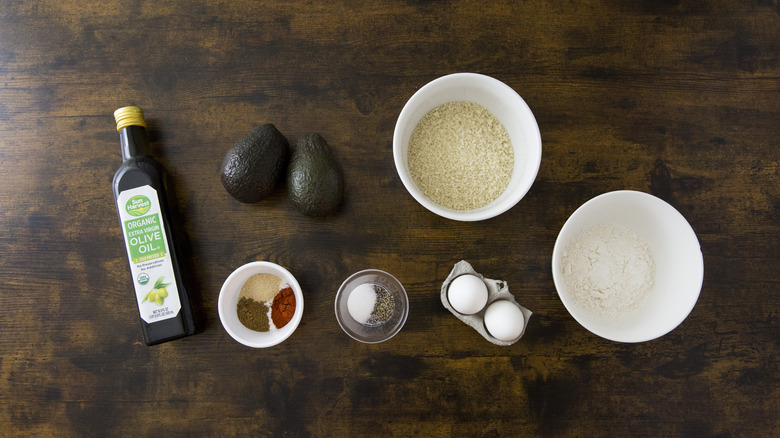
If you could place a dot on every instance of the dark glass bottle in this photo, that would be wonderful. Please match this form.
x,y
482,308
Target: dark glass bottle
x,y
141,201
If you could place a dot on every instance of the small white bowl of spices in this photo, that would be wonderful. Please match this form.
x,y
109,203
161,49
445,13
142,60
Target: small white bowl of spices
x,y
467,147
260,304
371,306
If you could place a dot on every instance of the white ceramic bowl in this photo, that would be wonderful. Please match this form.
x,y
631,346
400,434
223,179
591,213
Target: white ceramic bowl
x,y
228,300
679,265
506,105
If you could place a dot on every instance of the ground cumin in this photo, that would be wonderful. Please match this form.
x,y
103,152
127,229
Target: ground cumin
x,y
253,315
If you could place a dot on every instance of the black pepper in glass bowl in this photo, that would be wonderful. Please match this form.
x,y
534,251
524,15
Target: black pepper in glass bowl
x,y
371,306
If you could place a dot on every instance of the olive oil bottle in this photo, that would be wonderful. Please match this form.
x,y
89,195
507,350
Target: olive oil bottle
x,y
142,204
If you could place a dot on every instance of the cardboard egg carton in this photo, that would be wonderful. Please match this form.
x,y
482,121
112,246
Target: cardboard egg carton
x,y
497,290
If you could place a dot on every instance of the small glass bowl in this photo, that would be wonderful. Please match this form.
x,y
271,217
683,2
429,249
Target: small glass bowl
x,y
372,333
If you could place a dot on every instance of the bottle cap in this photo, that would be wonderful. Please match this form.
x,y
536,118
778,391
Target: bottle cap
x,y
129,116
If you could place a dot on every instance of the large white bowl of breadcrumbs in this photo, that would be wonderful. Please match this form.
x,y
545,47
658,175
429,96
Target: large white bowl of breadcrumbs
x,y
467,147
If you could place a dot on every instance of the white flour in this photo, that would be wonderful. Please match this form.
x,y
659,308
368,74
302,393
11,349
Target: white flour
x,y
609,270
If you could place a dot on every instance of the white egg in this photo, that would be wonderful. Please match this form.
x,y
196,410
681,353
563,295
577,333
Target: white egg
x,y
504,320
468,294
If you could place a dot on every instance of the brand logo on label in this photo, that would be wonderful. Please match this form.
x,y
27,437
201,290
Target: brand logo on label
x,y
138,205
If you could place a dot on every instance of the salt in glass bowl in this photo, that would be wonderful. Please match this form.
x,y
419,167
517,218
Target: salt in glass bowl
x,y
679,265
369,333
228,301
504,103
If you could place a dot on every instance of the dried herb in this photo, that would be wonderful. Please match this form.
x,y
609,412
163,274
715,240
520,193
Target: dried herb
x,y
253,315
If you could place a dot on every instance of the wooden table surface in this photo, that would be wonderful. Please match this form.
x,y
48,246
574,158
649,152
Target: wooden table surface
x,y
680,99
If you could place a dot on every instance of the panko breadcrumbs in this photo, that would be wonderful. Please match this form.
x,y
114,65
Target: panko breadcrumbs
x,y
460,156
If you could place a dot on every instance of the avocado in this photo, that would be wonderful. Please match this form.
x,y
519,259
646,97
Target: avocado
x,y
315,183
253,167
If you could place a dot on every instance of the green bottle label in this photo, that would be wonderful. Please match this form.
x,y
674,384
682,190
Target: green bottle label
x,y
145,238
147,250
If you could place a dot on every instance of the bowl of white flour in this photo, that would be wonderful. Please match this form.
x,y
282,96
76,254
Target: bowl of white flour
x,y
628,266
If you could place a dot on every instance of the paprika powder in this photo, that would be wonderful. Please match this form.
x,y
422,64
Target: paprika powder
x,y
283,307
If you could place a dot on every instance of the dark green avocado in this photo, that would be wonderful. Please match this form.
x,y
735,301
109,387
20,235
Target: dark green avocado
x,y
315,183
255,165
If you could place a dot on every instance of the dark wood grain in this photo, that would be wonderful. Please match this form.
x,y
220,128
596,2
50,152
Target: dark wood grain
x,y
680,99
